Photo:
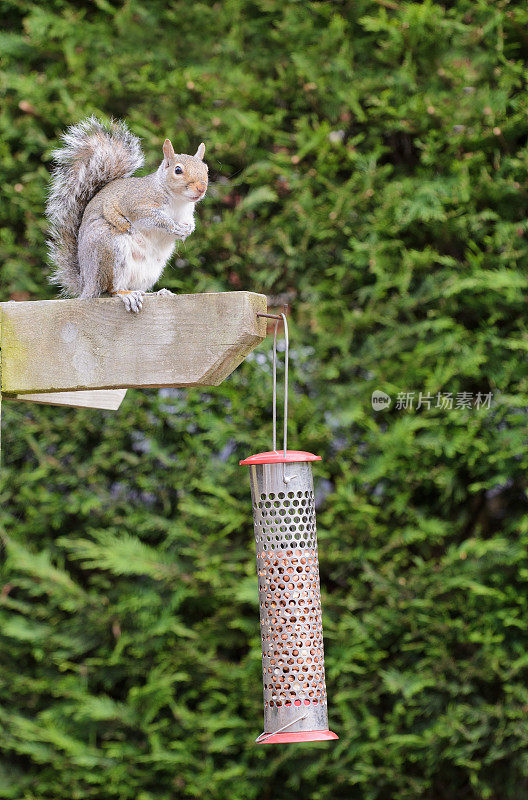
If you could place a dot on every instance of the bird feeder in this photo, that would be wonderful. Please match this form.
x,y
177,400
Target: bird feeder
x,y
293,675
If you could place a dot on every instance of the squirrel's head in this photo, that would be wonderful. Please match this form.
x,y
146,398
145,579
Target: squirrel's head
x,y
185,176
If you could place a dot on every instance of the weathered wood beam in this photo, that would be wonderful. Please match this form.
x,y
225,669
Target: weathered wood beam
x,y
108,399
53,346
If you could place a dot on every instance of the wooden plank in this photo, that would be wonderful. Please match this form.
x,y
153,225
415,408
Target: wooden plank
x,y
176,340
108,399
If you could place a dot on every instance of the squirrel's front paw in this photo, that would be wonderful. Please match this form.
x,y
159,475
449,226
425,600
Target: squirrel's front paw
x,y
164,292
183,230
133,300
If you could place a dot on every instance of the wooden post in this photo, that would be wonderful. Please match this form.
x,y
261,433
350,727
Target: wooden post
x,y
87,352
178,340
109,399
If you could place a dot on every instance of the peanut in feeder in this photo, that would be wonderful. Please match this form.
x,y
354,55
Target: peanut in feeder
x,y
295,704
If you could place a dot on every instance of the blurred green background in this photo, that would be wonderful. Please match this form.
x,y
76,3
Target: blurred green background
x,y
368,163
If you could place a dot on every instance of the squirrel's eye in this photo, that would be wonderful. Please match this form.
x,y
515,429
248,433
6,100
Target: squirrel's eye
x,y
178,170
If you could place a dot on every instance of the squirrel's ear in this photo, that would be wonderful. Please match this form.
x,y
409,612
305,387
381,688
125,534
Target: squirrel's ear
x,y
200,152
168,149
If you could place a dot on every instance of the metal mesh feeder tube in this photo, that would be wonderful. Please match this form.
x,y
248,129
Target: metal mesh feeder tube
x,y
293,675
295,705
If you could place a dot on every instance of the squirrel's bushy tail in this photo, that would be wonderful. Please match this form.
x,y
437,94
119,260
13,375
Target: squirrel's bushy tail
x,y
92,155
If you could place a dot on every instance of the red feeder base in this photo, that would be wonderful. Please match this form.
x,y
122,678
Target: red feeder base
x,y
296,736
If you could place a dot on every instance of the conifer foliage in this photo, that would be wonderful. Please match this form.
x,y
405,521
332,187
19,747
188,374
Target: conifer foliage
x,y
368,160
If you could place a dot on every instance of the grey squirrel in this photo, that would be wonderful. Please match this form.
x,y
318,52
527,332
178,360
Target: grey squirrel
x,y
110,232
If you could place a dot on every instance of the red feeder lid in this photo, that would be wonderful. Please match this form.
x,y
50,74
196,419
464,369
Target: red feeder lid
x,y
278,457
296,736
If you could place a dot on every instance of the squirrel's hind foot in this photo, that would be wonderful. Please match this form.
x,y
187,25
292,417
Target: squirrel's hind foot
x,y
133,300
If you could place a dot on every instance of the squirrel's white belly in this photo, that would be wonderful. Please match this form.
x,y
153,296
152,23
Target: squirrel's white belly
x,y
146,256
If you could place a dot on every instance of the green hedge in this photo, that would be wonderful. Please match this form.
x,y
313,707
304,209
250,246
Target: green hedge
x,y
368,162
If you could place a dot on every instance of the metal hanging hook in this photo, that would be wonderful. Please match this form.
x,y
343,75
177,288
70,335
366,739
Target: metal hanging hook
x,y
278,317
286,360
